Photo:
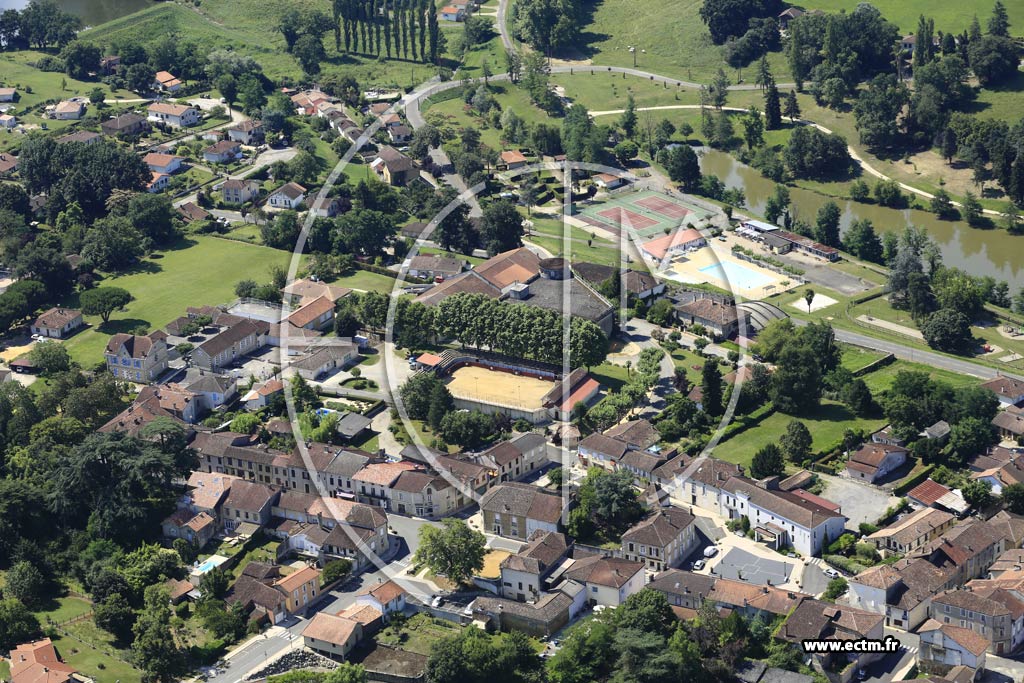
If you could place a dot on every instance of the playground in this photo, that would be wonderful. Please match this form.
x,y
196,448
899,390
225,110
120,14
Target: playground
x,y
645,215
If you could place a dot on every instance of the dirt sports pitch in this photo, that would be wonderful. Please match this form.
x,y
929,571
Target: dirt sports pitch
x,y
474,383
646,214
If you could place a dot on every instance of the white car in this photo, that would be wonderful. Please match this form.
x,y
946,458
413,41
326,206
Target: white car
x,y
831,573
710,551
37,337
698,565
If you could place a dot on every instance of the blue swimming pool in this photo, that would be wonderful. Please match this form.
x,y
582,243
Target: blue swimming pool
x,y
736,276
207,565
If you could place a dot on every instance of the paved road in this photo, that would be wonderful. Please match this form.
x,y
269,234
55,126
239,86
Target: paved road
x,y
964,367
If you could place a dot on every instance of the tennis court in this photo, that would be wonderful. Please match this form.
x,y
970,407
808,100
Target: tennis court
x,y
664,207
646,214
620,215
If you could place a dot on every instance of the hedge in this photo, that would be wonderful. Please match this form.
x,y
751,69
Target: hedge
x,y
745,422
847,564
913,479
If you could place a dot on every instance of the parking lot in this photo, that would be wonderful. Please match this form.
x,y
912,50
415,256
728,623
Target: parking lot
x,y
744,566
860,502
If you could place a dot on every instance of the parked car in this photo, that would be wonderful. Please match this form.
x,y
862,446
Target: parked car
x,y
710,551
831,573
698,565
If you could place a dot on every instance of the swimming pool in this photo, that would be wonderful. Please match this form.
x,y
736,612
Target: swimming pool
x,y
736,276
207,565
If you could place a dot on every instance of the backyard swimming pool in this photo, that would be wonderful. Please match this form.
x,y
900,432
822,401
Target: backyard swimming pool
x,y
736,276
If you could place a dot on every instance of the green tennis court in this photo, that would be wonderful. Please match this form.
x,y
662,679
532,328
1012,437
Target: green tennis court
x,y
644,214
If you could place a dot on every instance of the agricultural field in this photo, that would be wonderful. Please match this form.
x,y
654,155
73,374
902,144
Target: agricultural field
x,y
200,270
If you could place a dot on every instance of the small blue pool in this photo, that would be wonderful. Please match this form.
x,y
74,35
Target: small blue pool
x,y
736,276
207,565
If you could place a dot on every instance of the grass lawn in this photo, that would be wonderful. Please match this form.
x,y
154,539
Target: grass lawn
x,y
468,259
95,662
364,280
452,114
245,26
670,39
200,270
686,359
418,634
245,232
603,91
949,16
882,379
596,253
610,376
5,670
855,358
64,609
827,425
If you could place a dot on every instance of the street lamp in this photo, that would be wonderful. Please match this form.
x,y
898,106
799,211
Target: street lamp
x,y
632,49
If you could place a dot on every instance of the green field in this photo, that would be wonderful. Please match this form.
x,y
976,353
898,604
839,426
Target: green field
x,y
827,426
201,270
670,39
950,17
246,26
882,379
452,115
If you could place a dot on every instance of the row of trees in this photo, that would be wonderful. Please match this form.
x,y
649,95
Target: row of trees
x,y
372,27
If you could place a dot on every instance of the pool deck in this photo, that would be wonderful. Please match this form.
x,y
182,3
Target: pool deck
x,y
706,265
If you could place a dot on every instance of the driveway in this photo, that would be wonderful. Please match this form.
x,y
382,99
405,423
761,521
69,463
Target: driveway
x,y
894,666
860,502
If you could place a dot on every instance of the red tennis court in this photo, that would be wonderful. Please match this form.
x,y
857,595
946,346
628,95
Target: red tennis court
x,y
663,206
636,221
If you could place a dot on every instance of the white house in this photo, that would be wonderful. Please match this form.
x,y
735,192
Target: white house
x,y
946,645
173,115
873,462
452,13
68,110
387,598
780,518
288,196
609,580
162,163
57,322
164,81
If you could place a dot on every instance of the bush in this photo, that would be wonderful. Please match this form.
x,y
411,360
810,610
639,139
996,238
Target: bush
x,y
836,587
846,564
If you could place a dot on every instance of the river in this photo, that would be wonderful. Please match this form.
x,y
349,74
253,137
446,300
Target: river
x,y
979,252
91,12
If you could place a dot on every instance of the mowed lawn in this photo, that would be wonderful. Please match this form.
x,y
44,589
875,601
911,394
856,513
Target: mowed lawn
x,y
883,378
88,648
826,425
202,271
670,39
950,17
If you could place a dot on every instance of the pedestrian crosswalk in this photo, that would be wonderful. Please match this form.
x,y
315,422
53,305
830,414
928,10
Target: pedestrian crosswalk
x,y
817,562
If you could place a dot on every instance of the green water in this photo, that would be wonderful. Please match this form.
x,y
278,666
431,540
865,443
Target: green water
x,y
980,252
